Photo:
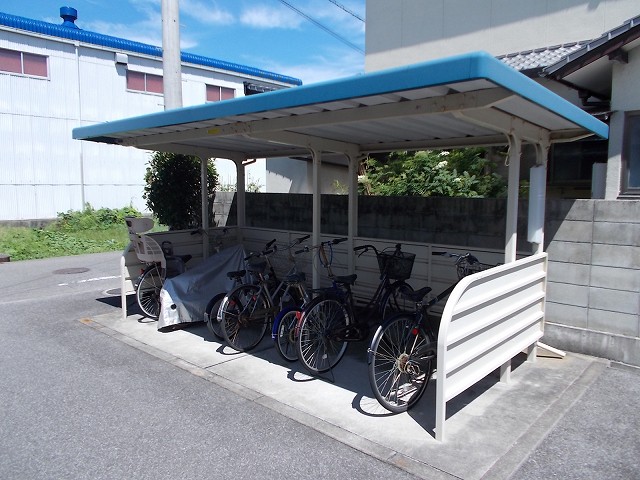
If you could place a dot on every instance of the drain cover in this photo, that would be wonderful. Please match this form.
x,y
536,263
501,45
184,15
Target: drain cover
x,y
67,271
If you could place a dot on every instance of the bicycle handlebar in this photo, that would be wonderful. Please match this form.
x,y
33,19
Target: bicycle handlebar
x,y
471,259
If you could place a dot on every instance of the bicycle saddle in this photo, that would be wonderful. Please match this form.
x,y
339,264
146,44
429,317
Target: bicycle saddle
x,y
237,275
346,280
415,296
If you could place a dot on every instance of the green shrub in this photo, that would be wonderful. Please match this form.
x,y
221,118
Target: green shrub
x,y
173,191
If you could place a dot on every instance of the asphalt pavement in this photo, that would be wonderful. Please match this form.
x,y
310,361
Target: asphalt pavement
x,y
86,394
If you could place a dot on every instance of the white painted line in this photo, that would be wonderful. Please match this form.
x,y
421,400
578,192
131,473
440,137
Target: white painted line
x,y
89,280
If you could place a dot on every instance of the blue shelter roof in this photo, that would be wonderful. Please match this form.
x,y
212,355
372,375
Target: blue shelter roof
x,y
471,99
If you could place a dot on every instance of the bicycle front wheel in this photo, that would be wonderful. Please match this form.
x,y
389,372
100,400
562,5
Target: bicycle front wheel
x,y
244,315
211,316
401,360
148,291
285,333
320,343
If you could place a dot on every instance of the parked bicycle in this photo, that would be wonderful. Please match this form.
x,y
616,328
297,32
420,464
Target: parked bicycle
x,y
248,309
285,326
402,355
160,262
211,310
330,322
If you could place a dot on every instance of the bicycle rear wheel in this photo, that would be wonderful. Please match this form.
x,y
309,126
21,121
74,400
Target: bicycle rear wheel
x,y
393,302
320,341
285,328
148,291
401,360
211,316
244,314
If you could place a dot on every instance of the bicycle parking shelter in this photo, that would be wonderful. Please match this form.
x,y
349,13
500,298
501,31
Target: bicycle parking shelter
x,y
466,100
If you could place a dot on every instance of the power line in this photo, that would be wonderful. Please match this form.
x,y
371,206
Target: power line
x,y
350,12
323,27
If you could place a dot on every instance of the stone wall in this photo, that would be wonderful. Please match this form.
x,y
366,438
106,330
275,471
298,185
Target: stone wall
x,y
593,291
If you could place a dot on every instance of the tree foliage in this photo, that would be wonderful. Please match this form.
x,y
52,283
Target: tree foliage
x,y
455,173
173,192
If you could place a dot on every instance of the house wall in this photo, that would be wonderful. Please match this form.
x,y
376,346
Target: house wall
x,y
417,30
45,171
593,289
625,97
288,175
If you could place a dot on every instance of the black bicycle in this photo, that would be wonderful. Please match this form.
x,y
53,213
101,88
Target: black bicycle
x,y
329,322
403,351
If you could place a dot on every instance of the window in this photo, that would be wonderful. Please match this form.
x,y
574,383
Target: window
x,y
571,163
631,154
23,63
144,82
216,93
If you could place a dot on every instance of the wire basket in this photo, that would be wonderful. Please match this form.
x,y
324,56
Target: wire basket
x,y
465,268
397,266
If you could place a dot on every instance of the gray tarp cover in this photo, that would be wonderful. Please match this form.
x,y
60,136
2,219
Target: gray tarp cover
x,y
185,297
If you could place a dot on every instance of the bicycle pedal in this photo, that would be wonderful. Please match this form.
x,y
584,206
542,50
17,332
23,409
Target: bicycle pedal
x,y
352,334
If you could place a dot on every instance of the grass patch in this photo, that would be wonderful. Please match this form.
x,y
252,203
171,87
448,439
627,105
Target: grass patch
x,y
73,233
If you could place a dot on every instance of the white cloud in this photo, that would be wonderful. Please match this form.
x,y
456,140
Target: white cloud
x,y
319,68
262,16
206,12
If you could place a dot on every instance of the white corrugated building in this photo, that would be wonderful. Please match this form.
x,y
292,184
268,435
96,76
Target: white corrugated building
x,y
54,78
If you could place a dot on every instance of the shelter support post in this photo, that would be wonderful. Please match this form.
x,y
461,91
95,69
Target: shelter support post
x,y
537,201
511,234
352,214
204,190
241,196
316,207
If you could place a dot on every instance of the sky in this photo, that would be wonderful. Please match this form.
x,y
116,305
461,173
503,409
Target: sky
x,y
313,40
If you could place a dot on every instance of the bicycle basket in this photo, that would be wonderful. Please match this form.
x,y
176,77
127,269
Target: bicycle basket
x,y
465,268
397,266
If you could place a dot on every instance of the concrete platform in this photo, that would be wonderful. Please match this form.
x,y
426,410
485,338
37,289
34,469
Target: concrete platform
x,y
491,428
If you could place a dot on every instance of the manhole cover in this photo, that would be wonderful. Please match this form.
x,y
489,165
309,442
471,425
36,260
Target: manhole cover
x,y
66,271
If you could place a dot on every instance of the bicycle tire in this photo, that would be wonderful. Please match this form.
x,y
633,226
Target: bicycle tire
x,y
285,328
148,291
319,349
401,361
244,314
211,316
393,302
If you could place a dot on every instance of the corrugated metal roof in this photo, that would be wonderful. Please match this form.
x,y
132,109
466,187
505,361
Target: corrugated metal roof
x,y
60,31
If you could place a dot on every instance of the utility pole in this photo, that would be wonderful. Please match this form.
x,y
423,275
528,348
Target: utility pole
x,y
171,62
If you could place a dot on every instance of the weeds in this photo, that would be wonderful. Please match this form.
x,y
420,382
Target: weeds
x,y
73,233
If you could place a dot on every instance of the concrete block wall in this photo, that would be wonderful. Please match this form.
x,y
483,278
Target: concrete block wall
x,y
593,289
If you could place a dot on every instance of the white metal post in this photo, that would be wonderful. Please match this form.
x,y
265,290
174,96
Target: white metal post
x,y
317,213
352,214
240,192
511,234
204,163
